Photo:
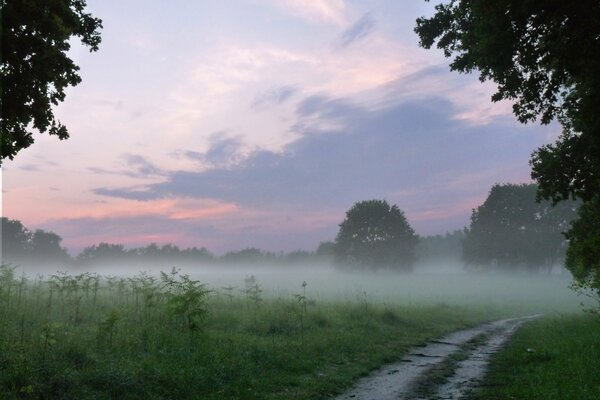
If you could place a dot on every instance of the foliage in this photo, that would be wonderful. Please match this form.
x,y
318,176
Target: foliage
x,y
583,255
248,255
188,300
325,250
35,68
19,243
440,248
375,235
253,290
106,252
512,230
544,55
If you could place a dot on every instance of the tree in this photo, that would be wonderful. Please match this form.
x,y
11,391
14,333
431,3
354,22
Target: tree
x,y
583,254
375,235
19,244
513,231
15,240
45,246
103,253
35,69
441,248
249,255
544,55
325,251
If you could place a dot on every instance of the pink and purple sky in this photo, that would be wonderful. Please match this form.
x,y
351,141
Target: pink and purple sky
x,y
258,123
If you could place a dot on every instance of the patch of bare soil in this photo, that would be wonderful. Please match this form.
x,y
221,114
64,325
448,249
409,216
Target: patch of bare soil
x,y
447,368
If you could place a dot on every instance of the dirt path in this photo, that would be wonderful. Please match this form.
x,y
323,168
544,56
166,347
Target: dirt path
x,y
446,368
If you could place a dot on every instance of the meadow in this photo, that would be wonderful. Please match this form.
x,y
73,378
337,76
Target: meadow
x,y
556,357
245,333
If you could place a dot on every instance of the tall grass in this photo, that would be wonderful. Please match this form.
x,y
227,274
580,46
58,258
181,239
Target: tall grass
x,y
172,337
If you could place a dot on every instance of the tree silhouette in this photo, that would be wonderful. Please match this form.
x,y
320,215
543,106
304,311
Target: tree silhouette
x,y
511,230
375,235
35,69
544,55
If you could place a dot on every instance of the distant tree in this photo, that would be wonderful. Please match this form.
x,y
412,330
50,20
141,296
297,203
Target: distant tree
x,y
45,246
195,254
16,240
35,69
512,230
325,251
19,244
441,248
248,256
375,235
299,257
103,252
154,253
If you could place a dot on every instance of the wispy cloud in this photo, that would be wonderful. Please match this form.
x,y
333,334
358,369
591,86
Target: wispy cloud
x,y
358,31
136,166
274,96
331,11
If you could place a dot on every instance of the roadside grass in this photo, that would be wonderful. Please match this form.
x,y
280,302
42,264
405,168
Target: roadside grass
x,y
170,337
554,357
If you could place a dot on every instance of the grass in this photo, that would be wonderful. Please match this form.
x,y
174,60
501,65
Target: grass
x,y
171,337
552,358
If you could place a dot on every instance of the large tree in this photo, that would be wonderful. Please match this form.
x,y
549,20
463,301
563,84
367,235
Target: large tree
x,y
16,240
375,235
511,230
545,56
35,69
19,244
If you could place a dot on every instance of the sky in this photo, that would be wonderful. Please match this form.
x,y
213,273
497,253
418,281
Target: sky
x,y
258,123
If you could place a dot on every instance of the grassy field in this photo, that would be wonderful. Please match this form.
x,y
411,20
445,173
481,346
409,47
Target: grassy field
x,y
79,336
170,336
556,357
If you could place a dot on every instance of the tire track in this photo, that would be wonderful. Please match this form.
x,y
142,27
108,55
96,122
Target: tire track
x,y
405,379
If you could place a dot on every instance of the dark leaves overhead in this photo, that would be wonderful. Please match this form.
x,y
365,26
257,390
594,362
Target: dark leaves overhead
x,y
35,68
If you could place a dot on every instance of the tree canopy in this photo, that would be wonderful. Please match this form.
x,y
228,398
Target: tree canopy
x,y
35,69
375,235
545,56
20,244
512,230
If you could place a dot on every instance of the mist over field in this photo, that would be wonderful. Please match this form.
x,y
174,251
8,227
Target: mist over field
x,y
299,199
435,284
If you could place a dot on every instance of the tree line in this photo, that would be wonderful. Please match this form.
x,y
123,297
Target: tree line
x,y
22,246
510,231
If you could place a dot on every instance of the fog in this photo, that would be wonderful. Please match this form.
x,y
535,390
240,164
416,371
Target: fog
x,y
435,284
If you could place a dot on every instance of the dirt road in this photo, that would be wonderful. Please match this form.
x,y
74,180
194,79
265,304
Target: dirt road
x,y
447,368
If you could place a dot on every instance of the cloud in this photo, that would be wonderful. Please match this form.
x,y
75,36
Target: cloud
x,y
140,166
274,97
30,167
357,31
330,11
136,166
416,147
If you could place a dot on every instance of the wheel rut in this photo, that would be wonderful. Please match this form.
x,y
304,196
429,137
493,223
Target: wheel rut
x,y
446,368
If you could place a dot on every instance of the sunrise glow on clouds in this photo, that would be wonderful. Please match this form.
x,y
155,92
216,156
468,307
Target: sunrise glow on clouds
x,y
257,123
